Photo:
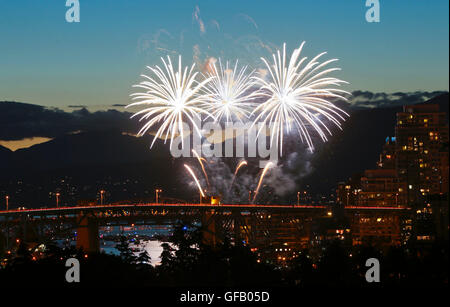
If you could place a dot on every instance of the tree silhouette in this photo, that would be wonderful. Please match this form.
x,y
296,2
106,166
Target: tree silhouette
x,y
143,257
125,251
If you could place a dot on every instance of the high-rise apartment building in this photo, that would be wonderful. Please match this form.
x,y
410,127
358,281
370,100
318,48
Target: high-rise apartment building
x,y
421,150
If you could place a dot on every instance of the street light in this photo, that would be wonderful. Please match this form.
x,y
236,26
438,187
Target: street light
x,y
101,196
202,194
57,199
298,198
7,202
157,191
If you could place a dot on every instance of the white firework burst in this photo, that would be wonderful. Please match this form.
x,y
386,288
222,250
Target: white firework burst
x,y
297,96
171,97
230,91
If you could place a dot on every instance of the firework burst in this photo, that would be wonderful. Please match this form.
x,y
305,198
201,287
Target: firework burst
x,y
297,96
170,97
230,91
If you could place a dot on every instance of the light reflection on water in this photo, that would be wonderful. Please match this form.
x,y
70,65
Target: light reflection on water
x,y
146,235
153,248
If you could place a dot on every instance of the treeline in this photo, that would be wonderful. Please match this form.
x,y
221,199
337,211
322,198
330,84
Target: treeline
x,y
188,262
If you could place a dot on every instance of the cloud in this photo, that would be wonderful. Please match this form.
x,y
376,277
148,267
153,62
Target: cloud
x,y
366,99
21,120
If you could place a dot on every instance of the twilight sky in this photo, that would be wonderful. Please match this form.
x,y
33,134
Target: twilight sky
x,y
45,60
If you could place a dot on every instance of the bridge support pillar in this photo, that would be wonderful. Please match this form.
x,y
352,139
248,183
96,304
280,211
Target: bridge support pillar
x,y
87,234
237,227
209,228
3,245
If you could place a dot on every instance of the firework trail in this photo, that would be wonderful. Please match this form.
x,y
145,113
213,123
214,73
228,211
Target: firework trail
x,y
268,165
171,96
202,165
195,179
242,163
230,91
297,96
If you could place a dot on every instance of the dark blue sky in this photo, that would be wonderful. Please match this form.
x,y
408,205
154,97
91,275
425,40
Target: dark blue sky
x,y
45,60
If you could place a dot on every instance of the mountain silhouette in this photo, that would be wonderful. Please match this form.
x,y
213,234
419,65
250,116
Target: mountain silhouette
x,y
5,157
99,153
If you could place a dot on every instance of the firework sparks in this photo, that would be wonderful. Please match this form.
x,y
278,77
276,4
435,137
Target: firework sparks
x,y
202,165
230,91
171,96
242,163
195,179
268,165
297,96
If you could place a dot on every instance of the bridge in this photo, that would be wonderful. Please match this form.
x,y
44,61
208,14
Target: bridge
x,y
256,224
114,206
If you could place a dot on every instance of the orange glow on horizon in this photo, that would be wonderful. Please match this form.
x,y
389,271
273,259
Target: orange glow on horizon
x,y
23,143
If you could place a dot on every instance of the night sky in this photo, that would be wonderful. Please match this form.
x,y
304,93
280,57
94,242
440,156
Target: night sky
x,y
45,60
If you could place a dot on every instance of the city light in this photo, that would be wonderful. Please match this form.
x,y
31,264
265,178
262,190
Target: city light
x,y
102,192
57,194
157,195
